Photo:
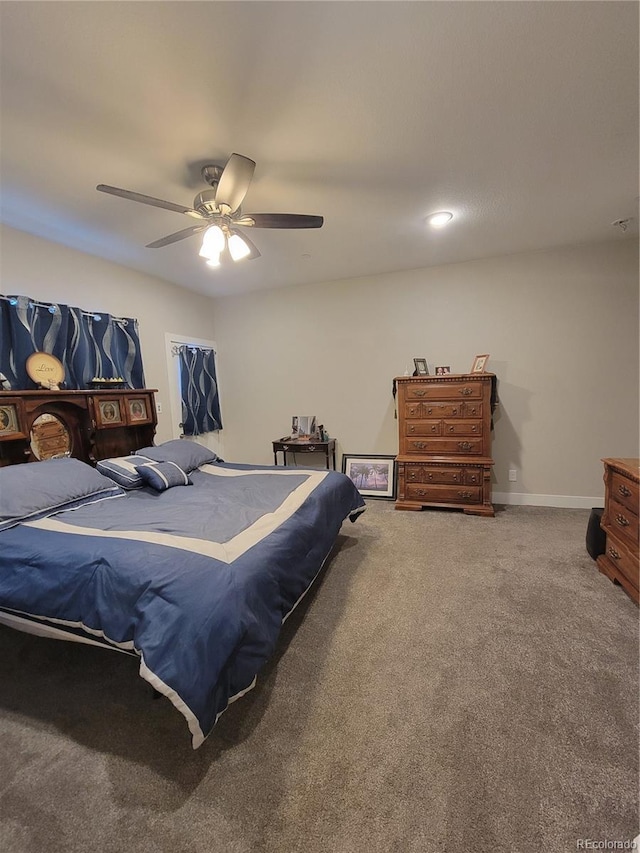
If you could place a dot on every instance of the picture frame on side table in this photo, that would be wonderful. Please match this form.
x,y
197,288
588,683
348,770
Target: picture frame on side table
x,y
480,363
421,367
373,476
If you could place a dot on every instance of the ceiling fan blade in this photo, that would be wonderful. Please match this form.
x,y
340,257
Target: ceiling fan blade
x,y
254,249
281,220
147,199
179,235
234,182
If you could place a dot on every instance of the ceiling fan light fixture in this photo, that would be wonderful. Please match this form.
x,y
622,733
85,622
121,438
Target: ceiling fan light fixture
x,y
212,242
440,219
213,261
238,249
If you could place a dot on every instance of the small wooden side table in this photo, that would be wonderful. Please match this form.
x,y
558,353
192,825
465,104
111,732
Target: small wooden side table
x,y
304,445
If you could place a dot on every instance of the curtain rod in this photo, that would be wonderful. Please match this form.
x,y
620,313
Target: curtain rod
x,y
176,350
52,307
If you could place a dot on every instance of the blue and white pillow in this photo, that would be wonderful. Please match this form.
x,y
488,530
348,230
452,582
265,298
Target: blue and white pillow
x,y
122,470
40,489
189,455
163,475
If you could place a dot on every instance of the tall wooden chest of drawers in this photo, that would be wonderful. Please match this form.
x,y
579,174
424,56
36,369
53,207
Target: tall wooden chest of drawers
x,y
620,523
444,457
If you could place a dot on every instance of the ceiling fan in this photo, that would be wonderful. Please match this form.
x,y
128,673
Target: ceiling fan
x,y
219,214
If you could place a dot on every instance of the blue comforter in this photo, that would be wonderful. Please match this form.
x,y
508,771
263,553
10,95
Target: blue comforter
x,y
197,580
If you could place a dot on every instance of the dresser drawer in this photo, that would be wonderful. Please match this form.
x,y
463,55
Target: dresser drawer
x,y
624,491
472,410
444,494
622,522
462,427
444,391
424,411
423,428
624,560
432,475
59,444
441,446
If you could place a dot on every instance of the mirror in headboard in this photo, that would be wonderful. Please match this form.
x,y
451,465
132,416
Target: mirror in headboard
x,y
50,437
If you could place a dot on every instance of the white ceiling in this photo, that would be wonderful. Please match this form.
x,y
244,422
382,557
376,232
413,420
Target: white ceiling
x,y
519,117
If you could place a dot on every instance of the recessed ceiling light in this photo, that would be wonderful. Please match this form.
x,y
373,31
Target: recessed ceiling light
x,y
440,219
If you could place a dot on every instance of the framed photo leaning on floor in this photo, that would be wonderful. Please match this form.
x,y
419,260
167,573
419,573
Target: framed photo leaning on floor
x,y
373,476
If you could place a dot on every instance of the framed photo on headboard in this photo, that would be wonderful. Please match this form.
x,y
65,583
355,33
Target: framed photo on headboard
x,y
109,412
137,410
9,421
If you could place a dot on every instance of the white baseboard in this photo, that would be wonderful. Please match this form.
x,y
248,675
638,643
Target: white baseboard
x,y
567,501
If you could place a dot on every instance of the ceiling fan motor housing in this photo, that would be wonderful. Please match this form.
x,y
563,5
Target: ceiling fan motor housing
x,y
205,202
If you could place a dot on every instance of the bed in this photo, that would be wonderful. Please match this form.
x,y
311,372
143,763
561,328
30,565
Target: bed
x,y
190,564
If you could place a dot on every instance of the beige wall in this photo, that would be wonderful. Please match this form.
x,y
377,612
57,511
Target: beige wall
x,y
30,266
561,327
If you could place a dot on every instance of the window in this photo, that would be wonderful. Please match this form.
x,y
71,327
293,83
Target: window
x,y
195,398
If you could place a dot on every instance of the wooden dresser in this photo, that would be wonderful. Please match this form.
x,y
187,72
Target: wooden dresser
x,y
620,523
444,457
88,425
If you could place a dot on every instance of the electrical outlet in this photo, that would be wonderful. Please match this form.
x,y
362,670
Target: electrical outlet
x,y
158,407
513,475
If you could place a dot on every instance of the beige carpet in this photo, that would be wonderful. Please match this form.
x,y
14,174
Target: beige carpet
x,y
452,685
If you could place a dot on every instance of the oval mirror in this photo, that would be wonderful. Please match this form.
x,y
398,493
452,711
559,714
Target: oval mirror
x,y
49,437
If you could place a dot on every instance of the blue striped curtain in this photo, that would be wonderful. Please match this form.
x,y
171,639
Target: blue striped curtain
x,y
199,390
88,344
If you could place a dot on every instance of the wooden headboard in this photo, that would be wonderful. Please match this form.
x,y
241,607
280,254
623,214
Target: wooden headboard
x,y
88,425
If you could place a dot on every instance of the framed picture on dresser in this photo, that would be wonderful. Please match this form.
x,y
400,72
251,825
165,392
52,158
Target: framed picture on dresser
x,y
480,363
373,476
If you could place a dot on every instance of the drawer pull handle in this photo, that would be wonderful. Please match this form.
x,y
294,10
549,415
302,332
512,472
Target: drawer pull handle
x,y
465,494
430,476
466,391
420,445
311,448
422,492
465,445
412,428
419,393
624,491
455,411
473,478
429,411
622,521
613,553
